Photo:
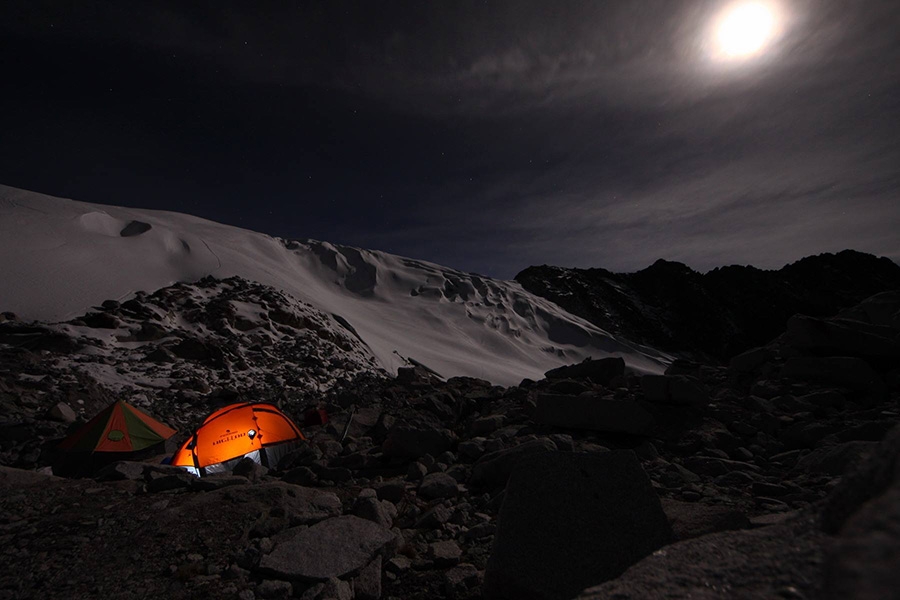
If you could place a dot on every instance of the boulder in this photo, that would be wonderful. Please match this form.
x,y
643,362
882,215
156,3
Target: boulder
x,y
601,371
749,564
846,371
494,468
444,554
572,520
438,485
842,337
682,390
874,475
833,460
367,586
332,548
751,360
413,441
61,412
296,505
690,519
459,580
863,562
591,412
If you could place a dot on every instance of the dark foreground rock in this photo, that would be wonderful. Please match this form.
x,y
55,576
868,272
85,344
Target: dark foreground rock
x,y
333,548
742,564
571,520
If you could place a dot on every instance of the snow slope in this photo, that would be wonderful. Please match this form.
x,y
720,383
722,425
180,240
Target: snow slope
x,y
59,257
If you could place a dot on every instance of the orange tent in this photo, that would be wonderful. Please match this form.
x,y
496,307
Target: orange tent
x,y
258,431
120,427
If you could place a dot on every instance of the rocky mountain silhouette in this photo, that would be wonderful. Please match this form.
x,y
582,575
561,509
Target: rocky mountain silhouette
x,y
713,315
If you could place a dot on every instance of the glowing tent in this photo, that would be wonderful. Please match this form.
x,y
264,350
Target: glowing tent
x,y
118,432
257,431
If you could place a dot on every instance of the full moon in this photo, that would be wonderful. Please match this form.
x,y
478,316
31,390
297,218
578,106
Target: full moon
x,y
744,29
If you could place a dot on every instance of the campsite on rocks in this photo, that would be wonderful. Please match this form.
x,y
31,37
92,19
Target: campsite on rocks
x,y
246,432
450,300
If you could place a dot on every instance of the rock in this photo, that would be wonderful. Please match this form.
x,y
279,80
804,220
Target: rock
x,y
150,331
416,471
846,371
414,441
493,469
217,482
841,337
690,520
707,465
487,425
434,517
62,412
335,589
863,563
572,520
875,474
747,564
121,470
751,360
301,476
392,491
594,413
682,390
601,371
161,355
444,554
459,580
335,547
472,449
438,485
250,469
272,588
296,505
191,349
371,509
367,586
833,460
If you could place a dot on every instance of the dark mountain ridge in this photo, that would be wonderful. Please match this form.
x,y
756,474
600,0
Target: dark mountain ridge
x,y
713,315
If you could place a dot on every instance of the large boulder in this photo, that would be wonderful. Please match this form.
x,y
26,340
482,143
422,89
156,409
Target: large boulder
x,y
601,371
865,509
845,371
494,468
842,337
571,520
332,548
731,564
589,411
833,460
863,564
293,504
878,472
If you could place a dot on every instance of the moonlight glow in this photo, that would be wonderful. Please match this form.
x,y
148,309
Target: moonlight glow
x,y
744,30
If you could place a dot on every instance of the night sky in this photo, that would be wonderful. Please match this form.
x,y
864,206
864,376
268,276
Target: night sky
x,y
485,136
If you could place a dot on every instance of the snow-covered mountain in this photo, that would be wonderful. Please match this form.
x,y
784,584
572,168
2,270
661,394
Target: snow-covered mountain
x,y
60,257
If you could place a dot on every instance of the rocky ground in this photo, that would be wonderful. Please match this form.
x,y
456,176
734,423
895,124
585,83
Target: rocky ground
x,y
776,476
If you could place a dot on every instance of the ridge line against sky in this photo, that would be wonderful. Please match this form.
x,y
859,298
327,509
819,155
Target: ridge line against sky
x,y
487,137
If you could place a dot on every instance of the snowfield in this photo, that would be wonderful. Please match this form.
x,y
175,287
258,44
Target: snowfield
x,y
60,257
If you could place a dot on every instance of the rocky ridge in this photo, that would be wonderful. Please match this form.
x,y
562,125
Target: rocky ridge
x,y
773,477
712,315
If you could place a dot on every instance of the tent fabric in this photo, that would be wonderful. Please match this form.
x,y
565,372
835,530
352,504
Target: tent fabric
x,y
120,427
260,431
